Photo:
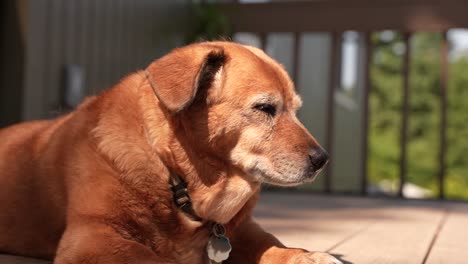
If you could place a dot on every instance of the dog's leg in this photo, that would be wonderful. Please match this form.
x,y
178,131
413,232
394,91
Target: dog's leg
x,y
99,244
251,244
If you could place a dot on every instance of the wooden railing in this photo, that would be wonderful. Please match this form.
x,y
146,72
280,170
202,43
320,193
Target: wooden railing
x,y
336,16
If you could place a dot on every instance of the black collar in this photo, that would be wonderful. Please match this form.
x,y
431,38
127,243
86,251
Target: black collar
x,y
181,197
218,247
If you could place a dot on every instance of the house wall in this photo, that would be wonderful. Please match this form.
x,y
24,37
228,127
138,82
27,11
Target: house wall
x,y
107,39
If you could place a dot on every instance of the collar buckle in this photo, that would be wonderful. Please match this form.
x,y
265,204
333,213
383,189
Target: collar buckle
x,y
181,197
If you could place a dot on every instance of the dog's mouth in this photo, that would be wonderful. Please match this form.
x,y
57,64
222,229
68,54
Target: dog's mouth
x,y
280,171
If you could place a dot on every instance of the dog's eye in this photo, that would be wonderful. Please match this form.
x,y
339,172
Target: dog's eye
x,y
267,108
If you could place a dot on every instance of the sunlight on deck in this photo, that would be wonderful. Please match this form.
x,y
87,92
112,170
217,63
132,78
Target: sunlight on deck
x,y
368,230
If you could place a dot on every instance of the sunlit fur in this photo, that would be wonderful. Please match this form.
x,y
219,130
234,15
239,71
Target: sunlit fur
x,y
93,186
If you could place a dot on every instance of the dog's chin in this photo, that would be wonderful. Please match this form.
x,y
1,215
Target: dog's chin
x,y
278,179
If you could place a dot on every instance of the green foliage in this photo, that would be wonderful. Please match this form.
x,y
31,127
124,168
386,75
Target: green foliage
x,y
424,118
208,23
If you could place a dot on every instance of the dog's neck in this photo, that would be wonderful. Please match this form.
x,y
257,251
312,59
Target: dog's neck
x,y
222,201
220,193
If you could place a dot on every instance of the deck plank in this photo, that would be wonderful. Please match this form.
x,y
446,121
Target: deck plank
x,y
316,223
450,245
402,238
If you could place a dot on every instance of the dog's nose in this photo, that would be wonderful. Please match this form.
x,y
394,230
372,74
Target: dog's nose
x,y
318,157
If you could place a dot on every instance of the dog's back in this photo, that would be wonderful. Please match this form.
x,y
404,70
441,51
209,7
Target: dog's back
x,y
36,161
28,197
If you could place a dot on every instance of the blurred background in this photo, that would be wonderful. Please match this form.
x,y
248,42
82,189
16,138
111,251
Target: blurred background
x,y
384,82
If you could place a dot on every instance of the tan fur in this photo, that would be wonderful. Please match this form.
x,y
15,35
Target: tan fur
x,y
93,185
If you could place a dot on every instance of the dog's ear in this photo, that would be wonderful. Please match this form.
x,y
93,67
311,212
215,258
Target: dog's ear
x,y
179,76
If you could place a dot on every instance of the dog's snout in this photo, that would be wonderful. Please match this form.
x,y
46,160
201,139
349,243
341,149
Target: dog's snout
x,y
318,157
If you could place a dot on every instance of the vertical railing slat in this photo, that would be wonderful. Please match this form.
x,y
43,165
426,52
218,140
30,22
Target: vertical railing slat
x,y
443,112
296,58
263,41
330,123
365,105
405,112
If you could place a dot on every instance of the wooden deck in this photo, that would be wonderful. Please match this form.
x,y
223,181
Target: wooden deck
x,y
369,230
362,230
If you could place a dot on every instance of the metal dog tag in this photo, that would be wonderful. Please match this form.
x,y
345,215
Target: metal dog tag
x,y
218,247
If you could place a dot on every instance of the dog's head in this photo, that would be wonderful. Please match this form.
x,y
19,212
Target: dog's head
x,y
239,105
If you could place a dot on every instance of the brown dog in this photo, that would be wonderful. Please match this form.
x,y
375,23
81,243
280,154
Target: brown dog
x,y
97,185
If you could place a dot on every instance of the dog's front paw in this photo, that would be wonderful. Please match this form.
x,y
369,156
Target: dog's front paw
x,y
316,258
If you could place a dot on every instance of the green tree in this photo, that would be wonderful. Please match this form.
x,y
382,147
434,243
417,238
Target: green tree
x,y
424,118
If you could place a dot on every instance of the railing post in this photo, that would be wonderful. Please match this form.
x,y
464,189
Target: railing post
x,y
443,112
365,106
405,112
332,83
263,41
296,57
